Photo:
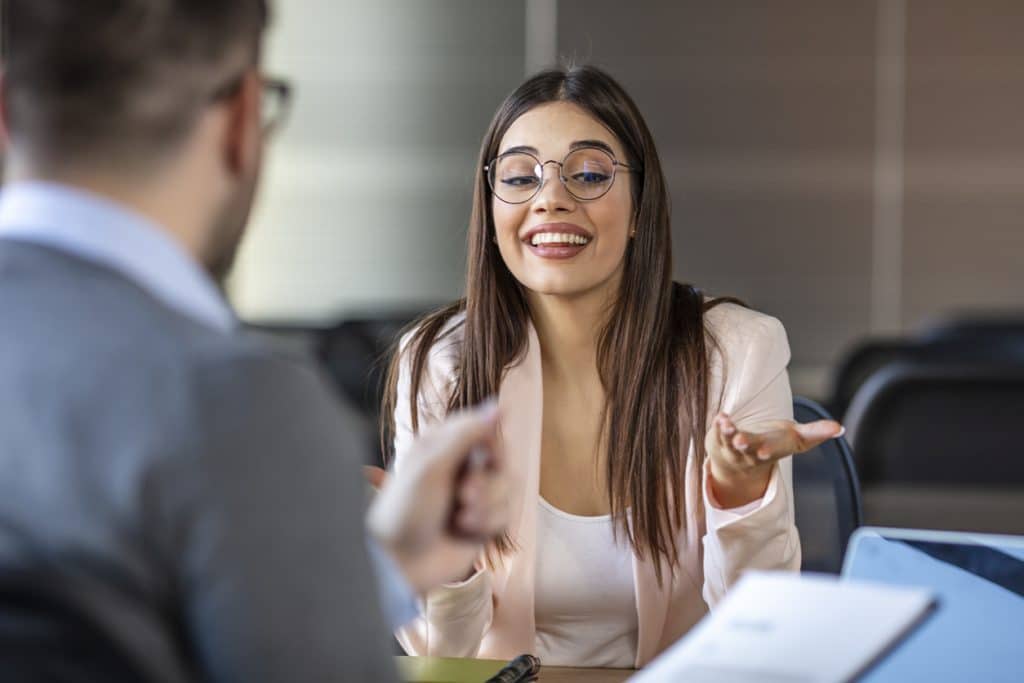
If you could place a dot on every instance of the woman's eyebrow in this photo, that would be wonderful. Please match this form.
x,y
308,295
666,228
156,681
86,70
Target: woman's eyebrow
x,y
521,148
592,143
577,144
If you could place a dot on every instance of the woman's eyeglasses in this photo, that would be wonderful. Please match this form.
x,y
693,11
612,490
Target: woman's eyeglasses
x,y
587,174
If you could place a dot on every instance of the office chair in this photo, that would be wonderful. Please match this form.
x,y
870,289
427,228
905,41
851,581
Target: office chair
x,y
827,496
859,363
355,353
950,425
980,328
954,346
44,639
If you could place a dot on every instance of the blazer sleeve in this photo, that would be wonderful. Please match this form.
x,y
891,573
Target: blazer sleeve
x,y
454,617
763,534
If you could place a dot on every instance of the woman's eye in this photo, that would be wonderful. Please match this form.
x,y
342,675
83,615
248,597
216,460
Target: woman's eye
x,y
520,181
591,178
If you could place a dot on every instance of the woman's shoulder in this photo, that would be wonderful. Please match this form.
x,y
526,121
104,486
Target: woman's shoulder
x,y
445,345
740,331
728,319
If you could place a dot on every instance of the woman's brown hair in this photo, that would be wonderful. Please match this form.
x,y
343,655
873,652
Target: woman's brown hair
x,y
653,353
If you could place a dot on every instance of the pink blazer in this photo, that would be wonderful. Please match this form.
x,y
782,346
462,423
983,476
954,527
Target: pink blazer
x,y
491,615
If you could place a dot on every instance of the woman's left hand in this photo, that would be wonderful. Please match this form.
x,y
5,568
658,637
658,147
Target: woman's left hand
x,y
741,461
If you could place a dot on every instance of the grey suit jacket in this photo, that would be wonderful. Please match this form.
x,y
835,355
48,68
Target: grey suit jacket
x,y
195,497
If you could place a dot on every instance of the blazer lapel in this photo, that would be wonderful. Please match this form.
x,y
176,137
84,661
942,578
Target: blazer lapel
x,y
521,405
651,606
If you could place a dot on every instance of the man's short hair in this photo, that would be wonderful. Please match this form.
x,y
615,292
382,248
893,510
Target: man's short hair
x,y
123,79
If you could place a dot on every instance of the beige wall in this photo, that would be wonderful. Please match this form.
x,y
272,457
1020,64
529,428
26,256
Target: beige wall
x,y
365,200
852,167
964,215
764,118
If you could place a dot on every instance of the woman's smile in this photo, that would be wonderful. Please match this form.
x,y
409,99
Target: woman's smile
x,y
557,240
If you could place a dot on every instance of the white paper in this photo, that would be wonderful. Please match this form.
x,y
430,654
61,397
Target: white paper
x,y
780,627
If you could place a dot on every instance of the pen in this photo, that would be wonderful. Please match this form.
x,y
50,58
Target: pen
x,y
522,668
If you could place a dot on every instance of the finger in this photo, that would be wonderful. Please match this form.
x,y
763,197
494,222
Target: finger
x,y
481,525
745,443
794,438
481,504
488,517
775,444
815,433
734,443
472,488
486,495
724,431
726,424
375,476
451,441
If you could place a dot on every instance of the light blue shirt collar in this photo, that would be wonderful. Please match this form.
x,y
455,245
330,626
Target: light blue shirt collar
x,y
104,232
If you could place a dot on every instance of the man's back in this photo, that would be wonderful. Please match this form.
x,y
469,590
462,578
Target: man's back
x,y
176,485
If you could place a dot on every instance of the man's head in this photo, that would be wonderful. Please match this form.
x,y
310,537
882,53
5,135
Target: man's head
x,y
129,96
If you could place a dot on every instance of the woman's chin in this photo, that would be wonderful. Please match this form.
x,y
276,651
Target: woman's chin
x,y
569,288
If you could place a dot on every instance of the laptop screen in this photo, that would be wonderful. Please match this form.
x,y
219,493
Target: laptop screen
x,y
977,630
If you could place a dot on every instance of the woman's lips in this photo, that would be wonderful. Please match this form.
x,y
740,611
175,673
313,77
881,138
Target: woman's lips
x,y
558,241
556,250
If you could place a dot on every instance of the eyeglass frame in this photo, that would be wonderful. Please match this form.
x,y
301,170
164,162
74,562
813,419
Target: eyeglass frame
x,y
281,87
616,165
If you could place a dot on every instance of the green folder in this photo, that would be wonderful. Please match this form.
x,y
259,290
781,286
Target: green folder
x,y
447,669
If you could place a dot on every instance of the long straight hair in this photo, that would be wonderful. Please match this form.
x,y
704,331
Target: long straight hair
x,y
653,353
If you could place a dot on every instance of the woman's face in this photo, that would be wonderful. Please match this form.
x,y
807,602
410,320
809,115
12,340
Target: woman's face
x,y
555,243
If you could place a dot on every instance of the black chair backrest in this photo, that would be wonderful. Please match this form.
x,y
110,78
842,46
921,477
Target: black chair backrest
x,y
939,424
860,363
355,354
978,328
941,349
827,496
42,638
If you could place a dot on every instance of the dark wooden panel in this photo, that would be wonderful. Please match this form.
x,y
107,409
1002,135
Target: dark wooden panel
x,y
964,214
764,117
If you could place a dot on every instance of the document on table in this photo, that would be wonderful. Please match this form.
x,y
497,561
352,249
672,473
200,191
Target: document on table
x,y
779,627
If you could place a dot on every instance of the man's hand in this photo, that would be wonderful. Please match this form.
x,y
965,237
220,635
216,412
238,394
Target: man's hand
x,y
448,500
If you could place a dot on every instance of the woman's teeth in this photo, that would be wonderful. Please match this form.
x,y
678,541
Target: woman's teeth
x,y
557,238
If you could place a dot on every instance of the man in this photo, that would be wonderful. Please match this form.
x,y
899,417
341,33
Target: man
x,y
175,502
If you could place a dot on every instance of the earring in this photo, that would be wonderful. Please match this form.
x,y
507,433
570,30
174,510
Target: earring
x,y
632,233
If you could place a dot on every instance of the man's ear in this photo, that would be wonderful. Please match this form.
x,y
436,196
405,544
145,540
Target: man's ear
x,y
244,130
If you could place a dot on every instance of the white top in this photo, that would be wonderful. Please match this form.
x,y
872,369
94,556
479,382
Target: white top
x,y
585,600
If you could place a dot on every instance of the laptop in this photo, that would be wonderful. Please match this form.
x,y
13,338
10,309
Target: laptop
x,y
976,633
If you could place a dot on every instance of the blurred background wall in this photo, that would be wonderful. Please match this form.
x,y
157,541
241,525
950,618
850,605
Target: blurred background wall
x,y
854,168
366,196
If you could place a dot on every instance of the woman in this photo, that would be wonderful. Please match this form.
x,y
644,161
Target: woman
x,y
644,427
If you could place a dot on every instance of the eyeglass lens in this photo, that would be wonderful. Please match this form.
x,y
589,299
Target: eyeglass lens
x,y
274,107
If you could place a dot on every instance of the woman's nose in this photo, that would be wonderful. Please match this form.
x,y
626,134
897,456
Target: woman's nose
x,y
552,195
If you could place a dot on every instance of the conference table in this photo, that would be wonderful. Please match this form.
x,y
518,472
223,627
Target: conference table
x,y
559,674
443,670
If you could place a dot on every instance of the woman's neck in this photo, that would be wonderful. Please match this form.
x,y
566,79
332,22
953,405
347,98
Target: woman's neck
x,y
568,329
